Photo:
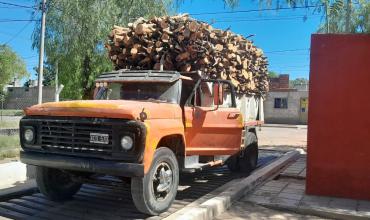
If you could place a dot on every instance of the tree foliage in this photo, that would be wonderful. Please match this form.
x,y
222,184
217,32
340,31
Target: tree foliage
x,y
273,74
11,66
359,18
76,32
298,81
48,75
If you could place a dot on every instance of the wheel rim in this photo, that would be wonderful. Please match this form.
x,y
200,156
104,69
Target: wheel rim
x,y
162,181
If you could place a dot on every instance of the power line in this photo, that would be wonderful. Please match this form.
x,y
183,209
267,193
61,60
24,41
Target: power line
x,y
262,19
257,10
18,33
288,50
260,16
30,57
16,20
17,5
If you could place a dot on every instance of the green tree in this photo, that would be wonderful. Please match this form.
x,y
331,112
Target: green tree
x,y
48,75
273,74
359,21
298,81
77,30
11,66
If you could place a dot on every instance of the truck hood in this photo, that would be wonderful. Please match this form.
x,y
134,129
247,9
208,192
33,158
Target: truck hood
x,y
124,109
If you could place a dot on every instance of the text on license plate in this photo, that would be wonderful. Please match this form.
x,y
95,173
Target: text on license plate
x,y
98,138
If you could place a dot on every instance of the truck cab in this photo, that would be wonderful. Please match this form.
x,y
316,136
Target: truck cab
x,y
144,126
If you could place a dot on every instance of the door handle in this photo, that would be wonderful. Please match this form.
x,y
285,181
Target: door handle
x,y
233,115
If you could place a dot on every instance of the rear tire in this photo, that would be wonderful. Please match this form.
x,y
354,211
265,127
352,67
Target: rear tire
x,y
233,163
248,162
155,192
56,184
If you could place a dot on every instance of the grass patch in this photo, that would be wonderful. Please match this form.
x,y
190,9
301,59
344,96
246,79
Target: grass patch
x,y
12,112
9,153
9,142
9,124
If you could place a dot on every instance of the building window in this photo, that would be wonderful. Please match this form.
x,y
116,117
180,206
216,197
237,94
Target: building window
x,y
281,103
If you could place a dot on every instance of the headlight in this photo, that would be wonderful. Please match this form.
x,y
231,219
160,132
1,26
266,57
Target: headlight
x,y
29,135
126,142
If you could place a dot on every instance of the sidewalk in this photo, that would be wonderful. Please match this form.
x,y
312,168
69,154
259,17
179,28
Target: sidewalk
x,y
286,193
16,179
243,210
12,173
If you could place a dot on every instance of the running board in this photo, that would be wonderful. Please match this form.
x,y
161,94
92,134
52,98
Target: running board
x,y
192,164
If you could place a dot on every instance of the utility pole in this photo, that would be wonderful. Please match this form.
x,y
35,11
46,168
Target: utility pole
x,y
348,16
41,53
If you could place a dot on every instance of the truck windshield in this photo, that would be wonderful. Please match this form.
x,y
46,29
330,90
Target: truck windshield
x,y
144,91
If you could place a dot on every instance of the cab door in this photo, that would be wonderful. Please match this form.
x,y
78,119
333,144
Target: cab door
x,y
212,128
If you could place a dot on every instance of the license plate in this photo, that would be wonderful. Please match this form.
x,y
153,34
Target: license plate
x,y
98,138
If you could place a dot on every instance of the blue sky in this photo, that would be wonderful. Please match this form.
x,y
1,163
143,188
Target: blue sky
x,y
283,35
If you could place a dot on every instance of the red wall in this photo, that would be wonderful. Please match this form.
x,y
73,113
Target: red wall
x,y
338,157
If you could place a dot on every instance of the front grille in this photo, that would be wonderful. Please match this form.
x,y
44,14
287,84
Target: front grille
x,y
74,136
71,136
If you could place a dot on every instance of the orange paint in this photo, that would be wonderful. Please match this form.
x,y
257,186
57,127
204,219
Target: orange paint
x,y
204,130
212,132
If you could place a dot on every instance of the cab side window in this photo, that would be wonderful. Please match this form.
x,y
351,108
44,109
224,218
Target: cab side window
x,y
187,88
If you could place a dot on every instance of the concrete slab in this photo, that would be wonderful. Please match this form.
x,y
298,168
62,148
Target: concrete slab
x,y
249,211
292,198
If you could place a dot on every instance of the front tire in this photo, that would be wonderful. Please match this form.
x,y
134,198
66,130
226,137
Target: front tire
x,y
155,192
56,184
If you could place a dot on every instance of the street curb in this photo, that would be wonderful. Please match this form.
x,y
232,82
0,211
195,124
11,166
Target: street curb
x,y
320,212
209,209
27,188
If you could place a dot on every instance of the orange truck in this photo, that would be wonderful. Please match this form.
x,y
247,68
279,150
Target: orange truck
x,y
143,127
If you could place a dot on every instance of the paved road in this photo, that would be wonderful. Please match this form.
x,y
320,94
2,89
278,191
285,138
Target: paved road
x,y
275,136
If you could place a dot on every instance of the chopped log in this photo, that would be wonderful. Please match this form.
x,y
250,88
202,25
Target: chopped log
x,y
185,44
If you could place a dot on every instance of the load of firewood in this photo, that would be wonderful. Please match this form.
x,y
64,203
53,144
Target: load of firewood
x,y
184,44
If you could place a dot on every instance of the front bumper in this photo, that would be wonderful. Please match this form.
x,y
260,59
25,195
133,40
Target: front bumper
x,y
114,168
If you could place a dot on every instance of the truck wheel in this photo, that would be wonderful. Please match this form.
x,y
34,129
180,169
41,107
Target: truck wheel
x,y
248,162
155,192
233,163
56,184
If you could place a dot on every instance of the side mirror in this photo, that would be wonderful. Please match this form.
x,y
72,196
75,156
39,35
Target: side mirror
x,y
218,94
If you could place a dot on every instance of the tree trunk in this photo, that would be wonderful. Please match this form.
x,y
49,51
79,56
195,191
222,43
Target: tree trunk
x,y
86,71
